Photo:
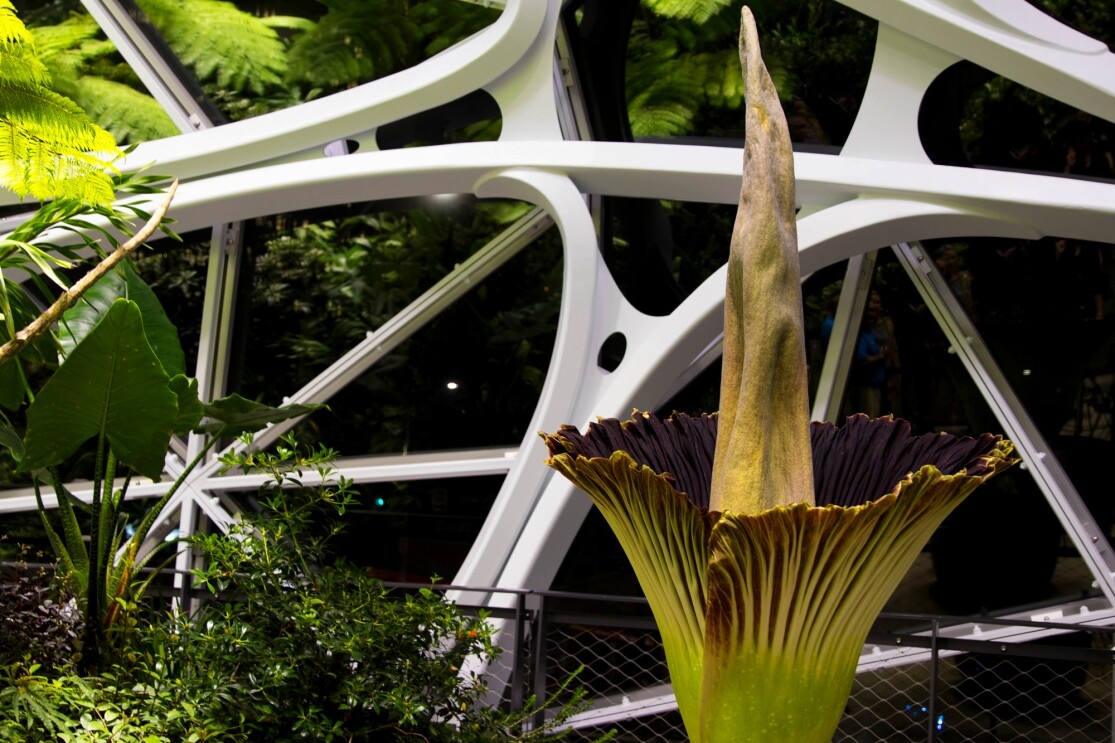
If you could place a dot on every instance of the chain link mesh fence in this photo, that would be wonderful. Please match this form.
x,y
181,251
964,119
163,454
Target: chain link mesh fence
x,y
1057,689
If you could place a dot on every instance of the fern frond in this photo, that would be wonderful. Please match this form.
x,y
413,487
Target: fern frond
x,y
235,49
663,96
129,115
356,41
49,148
722,82
446,24
68,38
12,30
698,11
70,50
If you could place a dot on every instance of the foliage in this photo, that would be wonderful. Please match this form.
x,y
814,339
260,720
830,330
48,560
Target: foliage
x,y
220,42
250,65
320,286
294,645
120,387
86,68
683,71
696,10
344,48
49,148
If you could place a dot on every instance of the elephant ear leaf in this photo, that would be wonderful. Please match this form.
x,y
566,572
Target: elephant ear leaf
x,y
110,385
9,439
234,415
190,409
11,386
124,283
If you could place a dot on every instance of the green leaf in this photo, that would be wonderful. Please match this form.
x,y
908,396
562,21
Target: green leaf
x,y
112,384
344,48
234,415
694,10
190,409
220,42
11,386
123,282
9,439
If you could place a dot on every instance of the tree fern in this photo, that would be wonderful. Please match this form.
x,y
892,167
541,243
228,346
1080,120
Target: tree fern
x,y
662,96
356,41
83,69
223,44
49,148
443,23
131,116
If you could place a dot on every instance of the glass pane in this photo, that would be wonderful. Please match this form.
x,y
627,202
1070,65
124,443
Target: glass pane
x,y
322,281
682,76
245,61
1003,547
413,531
972,117
658,252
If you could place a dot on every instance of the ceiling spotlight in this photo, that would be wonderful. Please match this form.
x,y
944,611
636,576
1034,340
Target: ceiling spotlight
x,y
452,386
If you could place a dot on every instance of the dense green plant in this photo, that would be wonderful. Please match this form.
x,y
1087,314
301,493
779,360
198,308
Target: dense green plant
x,y
292,645
142,706
86,68
317,649
297,645
117,383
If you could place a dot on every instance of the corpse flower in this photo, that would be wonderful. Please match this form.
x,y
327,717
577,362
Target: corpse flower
x,y
766,546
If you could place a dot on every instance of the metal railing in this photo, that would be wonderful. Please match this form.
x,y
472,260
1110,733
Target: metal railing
x,y
1059,687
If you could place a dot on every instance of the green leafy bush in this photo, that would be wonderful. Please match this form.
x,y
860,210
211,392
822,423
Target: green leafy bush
x,y
314,649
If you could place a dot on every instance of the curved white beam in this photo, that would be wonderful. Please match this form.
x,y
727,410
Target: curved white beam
x,y
304,130
1012,39
1047,205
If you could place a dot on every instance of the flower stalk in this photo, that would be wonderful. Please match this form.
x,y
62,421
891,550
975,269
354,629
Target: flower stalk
x,y
763,454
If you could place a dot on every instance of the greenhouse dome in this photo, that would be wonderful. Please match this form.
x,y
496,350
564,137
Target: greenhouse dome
x,y
458,223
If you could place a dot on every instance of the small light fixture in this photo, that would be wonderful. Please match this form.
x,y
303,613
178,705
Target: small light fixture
x,y
451,386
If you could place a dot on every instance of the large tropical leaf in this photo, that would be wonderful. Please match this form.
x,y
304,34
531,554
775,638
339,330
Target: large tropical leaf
x,y
234,415
190,408
124,282
110,385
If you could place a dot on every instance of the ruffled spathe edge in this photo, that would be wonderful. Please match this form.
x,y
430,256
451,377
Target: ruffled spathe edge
x,y
852,464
